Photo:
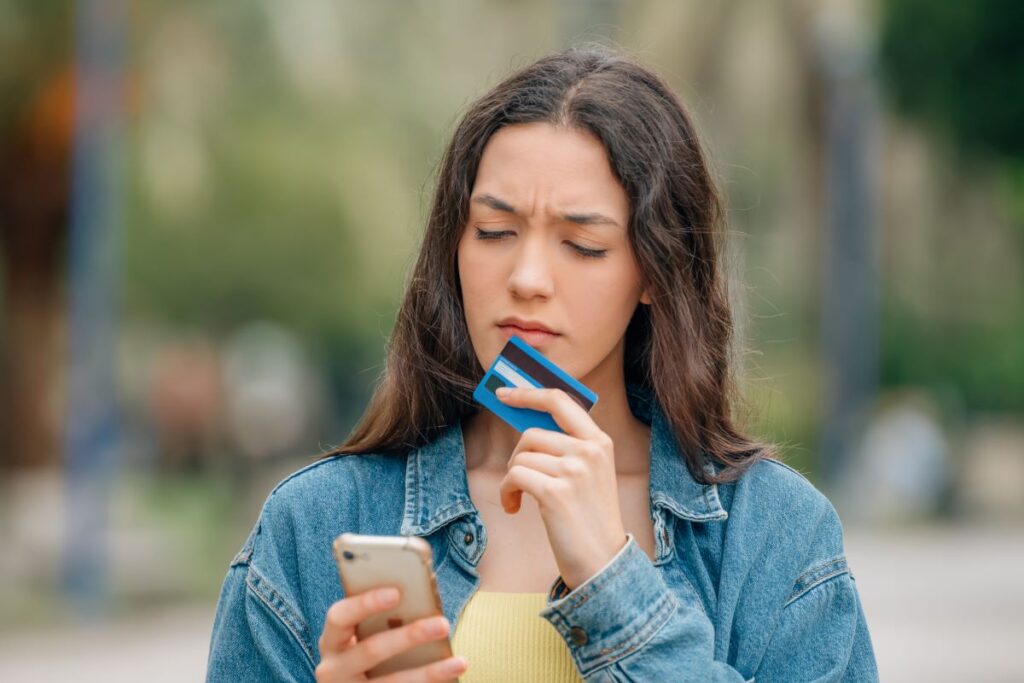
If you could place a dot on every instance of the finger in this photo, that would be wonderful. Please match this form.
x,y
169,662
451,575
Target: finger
x,y
567,413
343,616
545,441
551,465
520,478
329,669
444,670
386,644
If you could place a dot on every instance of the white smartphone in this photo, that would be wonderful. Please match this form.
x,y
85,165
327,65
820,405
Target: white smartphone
x,y
367,562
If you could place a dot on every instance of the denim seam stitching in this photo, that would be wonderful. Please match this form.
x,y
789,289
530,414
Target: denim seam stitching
x,y
667,606
601,579
243,556
303,470
707,498
698,601
451,533
412,506
661,538
266,594
664,606
444,511
815,584
818,567
412,477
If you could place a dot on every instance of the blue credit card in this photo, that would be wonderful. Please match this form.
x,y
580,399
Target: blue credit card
x,y
521,365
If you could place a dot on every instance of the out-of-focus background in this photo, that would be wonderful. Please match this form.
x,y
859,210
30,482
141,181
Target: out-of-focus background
x,y
208,209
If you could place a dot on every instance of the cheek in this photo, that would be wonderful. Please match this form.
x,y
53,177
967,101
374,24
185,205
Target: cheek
x,y
476,276
604,302
472,262
598,307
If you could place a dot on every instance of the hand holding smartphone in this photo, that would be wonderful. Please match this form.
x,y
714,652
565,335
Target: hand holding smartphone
x,y
396,634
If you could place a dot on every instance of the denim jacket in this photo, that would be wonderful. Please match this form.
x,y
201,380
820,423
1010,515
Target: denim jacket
x,y
749,581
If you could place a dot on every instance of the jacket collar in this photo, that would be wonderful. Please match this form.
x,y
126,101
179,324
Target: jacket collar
x,y
437,489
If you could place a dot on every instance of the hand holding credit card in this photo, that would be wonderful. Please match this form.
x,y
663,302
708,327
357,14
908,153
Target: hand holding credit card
x,y
521,365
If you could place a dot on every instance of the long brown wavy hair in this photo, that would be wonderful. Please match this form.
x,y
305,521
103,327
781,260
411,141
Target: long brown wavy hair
x,y
679,346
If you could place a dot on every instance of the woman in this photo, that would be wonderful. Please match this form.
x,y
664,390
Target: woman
x,y
649,540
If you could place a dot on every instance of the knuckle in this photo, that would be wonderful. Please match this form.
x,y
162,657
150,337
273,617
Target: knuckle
x,y
561,489
574,468
413,634
336,615
551,489
534,456
376,648
421,631
369,601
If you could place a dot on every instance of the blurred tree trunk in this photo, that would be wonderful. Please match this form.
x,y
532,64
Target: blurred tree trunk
x,y
34,200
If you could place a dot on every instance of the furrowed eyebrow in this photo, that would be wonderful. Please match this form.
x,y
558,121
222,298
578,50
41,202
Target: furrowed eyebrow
x,y
579,218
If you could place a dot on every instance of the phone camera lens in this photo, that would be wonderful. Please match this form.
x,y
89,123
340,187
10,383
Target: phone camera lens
x,y
348,555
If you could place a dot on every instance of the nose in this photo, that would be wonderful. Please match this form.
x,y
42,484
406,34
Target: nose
x,y
531,274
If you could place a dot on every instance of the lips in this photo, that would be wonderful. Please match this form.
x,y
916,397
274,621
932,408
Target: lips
x,y
533,333
525,325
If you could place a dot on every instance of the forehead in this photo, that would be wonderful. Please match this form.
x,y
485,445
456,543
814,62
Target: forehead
x,y
567,168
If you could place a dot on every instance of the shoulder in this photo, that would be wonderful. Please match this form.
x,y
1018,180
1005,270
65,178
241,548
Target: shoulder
x,y
327,497
780,506
777,490
337,481
285,578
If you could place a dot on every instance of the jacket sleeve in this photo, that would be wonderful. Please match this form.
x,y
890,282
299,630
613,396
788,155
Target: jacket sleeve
x,y
257,634
822,634
625,624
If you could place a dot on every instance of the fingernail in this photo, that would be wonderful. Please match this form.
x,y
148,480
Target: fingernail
x,y
502,391
387,596
456,665
437,626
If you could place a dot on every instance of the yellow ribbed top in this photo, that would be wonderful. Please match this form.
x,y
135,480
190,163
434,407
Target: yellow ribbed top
x,y
505,640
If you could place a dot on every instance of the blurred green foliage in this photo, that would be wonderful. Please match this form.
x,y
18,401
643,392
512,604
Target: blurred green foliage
x,y
960,67
957,69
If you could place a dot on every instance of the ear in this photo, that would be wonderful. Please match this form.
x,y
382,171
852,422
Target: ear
x,y
645,298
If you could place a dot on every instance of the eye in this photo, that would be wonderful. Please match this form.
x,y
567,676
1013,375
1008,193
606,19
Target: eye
x,y
584,252
491,234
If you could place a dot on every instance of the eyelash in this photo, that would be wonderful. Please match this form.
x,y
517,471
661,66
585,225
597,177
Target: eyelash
x,y
581,251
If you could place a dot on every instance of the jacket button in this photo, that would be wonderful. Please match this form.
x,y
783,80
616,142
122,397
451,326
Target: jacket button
x,y
468,538
578,635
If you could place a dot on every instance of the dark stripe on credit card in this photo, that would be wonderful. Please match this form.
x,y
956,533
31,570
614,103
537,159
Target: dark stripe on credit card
x,y
520,359
494,382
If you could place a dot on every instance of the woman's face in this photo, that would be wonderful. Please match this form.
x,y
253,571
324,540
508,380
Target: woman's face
x,y
546,243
